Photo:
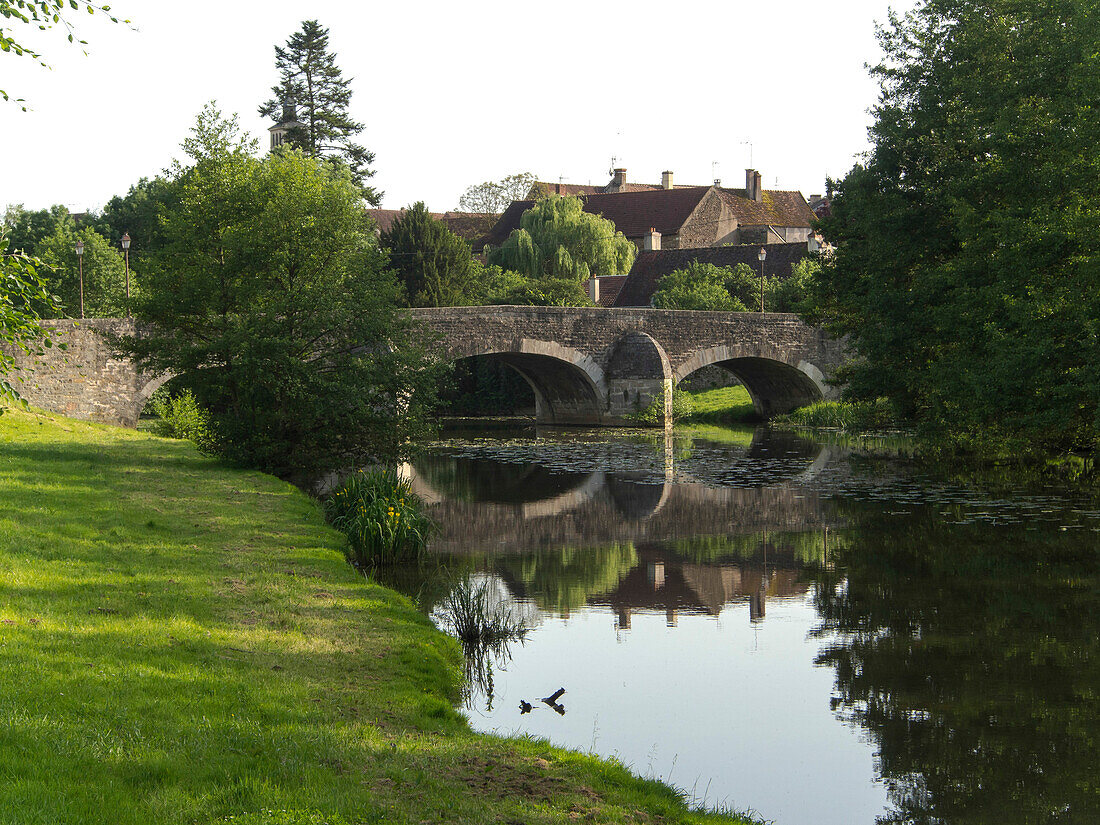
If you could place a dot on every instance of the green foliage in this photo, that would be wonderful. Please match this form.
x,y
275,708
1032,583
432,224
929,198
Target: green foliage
x,y
436,265
706,286
313,89
850,416
138,214
180,416
43,15
493,197
24,297
966,274
565,579
557,239
486,386
703,286
475,617
654,414
381,517
271,301
104,271
506,288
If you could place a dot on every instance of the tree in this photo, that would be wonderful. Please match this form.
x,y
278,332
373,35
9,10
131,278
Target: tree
x,y
104,271
138,214
493,197
313,93
436,265
44,15
24,298
272,303
557,239
967,271
26,229
706,286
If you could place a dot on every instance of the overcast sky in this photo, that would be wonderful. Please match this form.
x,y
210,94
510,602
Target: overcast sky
x,y
453,94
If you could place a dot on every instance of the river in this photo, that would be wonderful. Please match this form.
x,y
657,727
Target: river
x,y
780,626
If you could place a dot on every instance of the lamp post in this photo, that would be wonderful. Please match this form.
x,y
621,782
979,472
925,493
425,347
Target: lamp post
x,y
80,265
761,256
126,255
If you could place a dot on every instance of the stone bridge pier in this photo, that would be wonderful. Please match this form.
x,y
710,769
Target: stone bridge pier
x,y
601,367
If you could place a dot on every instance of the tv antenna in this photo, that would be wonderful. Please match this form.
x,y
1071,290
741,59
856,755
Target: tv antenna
x,y
714,172
749,144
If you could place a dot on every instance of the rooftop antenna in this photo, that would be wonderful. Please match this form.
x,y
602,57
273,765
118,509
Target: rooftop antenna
x,y
749,144
614,162
714,173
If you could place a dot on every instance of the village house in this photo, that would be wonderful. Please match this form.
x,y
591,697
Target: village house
x,y
670,216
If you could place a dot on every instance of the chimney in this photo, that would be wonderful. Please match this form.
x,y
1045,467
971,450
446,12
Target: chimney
x,y
666,180
651,239
754,186
594,290
618,182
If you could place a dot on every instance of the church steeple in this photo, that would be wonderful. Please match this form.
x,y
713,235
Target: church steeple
x,y
288,121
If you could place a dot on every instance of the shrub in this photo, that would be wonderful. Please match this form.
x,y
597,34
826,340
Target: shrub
x,y
381,517
682,407
180,416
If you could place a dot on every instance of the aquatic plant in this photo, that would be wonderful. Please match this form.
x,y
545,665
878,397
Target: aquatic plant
x,y
486,627
381,516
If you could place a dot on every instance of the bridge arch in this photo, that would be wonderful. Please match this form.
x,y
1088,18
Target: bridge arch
x,y
569,386
776,383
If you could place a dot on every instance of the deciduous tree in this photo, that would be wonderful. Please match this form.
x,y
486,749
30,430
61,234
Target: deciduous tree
x,y
967,272
272,302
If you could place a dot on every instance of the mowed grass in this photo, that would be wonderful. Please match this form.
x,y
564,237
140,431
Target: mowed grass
x,y
722,406
182,642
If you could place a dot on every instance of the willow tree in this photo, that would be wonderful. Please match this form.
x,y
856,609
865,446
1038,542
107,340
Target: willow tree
x,y
559,241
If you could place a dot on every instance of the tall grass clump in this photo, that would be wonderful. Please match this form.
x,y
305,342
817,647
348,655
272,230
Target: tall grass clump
x,y
486,626
381,516
653,415
180,416
850,416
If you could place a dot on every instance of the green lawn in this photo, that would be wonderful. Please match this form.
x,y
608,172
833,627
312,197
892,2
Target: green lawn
x,y
725,405
181,642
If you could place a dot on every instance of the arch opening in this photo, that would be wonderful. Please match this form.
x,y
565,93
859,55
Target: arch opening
x,y
775,387
560,391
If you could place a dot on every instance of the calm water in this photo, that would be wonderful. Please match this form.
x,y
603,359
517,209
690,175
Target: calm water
x,y
775,625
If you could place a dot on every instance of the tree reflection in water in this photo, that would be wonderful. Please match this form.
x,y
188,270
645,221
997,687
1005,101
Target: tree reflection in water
x,y
971,655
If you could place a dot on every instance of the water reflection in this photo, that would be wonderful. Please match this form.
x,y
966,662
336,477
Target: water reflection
x,y
823,641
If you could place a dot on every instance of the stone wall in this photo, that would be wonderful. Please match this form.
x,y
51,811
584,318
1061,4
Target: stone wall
x,y
86,379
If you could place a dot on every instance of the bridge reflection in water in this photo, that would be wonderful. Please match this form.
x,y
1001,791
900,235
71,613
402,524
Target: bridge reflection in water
x,y
561,525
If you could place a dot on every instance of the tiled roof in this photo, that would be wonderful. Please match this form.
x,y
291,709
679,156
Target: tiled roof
x,y
778,208
610,285
633,213
589,189
649,267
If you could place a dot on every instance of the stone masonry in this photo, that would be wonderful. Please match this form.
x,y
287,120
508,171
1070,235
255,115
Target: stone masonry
x,y
86,379
597,366
586,366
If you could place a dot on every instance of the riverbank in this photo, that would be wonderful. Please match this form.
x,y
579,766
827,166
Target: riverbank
x,y
183,642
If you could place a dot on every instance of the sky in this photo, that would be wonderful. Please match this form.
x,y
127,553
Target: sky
x,y
453,94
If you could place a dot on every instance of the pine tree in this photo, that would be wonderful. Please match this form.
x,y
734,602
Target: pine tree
x,y
313,96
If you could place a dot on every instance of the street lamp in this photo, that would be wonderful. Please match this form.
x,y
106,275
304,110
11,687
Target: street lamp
x,y
126,254
761,256
80,263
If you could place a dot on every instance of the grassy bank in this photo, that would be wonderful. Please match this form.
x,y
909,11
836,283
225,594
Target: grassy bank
x,y
181,642
725,405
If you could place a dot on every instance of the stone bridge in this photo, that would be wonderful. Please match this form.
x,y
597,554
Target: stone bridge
x,y
594,366
586,366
